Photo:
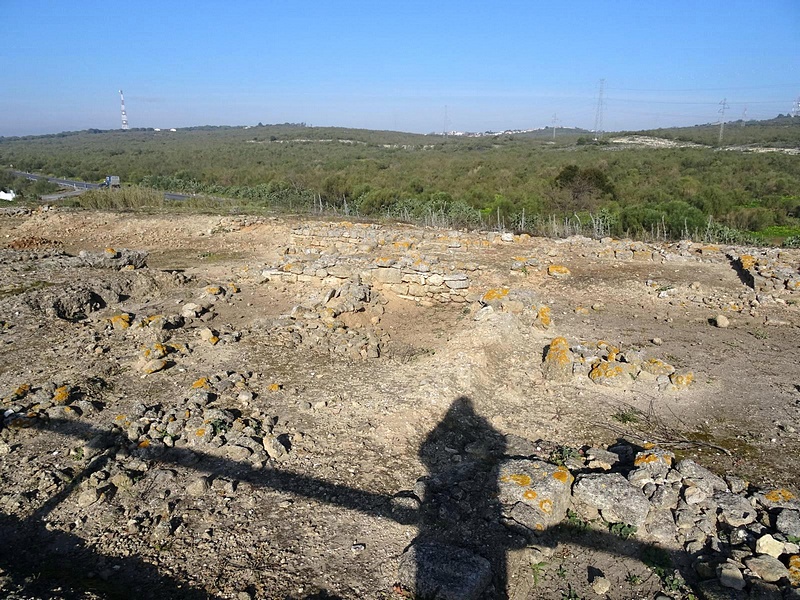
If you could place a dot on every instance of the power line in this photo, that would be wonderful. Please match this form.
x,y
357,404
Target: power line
x,y
725,89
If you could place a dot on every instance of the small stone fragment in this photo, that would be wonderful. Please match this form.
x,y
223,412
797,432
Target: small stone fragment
x,y
601,585
721,321
767,544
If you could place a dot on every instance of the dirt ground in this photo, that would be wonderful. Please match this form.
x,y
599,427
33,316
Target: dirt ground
x,y
331,517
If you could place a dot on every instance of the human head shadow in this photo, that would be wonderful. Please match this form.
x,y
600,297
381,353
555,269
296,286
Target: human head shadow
x,y
459,510
458,505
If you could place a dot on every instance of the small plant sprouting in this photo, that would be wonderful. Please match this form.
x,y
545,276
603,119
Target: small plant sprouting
x,y
570,594
537,570
627,415
562,572
575,523
562,454
622,530
633,579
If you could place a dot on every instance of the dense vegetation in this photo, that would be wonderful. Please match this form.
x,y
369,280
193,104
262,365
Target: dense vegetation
x,y
510,181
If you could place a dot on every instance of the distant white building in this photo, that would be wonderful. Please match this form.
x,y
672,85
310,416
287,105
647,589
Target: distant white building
x,y
9,195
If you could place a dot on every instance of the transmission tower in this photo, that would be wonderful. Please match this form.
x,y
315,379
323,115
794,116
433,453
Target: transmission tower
x,y
555,125
598,117
124,114
796,108
744,116
723,106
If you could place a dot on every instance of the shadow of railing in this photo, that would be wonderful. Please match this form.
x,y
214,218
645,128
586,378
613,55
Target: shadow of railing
x,y
457,507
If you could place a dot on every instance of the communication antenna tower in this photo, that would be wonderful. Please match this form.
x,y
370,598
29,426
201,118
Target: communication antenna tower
x,y
796,108
555,124
124,114
744,116
723,106
598,117
444,129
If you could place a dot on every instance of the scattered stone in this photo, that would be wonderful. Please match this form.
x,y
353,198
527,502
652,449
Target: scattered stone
x,y
769,568
557,364
721,321
767,544
733,509
199,487
601,586
731,577
617,500
533,493
788,523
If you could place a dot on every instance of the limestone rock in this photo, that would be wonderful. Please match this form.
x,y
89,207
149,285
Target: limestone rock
x,y
617,500
767,544
534,493
695,475
788,522
769,568
557,364
733,509
731,577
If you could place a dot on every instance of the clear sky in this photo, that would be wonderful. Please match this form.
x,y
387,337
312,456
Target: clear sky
x,y
406,65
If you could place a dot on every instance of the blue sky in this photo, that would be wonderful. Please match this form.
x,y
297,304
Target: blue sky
x,y
400,65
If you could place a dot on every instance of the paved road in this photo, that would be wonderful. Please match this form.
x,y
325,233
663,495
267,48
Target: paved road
x,y
83,185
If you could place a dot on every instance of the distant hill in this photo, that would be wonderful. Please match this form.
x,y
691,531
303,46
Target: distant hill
x,y
783,132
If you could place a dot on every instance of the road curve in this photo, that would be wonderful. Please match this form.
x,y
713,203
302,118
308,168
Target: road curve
x,y
83,185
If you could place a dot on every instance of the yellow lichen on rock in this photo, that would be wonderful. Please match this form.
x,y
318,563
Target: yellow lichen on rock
x,y
779,495
557,364
520,480
529,495
120,321
544,316
274,387
62,394
563,475
494,295
201,384
747,261
682,381
794,570
558,271
657,367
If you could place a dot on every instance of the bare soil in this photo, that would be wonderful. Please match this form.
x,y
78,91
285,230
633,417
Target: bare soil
x,y
330,520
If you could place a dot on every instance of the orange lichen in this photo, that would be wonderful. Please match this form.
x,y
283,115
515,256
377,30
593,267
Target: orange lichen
x,y
21,391
495,294
120,321
559,352
748,261
530,495
682,381
794,570
546,505
213,290
201,384
779,495
650,458
61,395
274,387
200,432
544,316
558,271
655,366
562,474
144,444
605,370
520,479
